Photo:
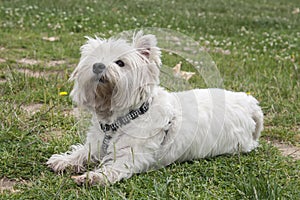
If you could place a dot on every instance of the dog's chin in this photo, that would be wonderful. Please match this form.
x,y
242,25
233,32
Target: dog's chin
x,y
103,95
104,89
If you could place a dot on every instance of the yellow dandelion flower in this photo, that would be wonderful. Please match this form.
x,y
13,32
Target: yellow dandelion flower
x,y
63,93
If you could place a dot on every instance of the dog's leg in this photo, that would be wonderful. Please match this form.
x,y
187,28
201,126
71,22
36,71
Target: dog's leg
x,y
104,176
116,166
73,159
79,154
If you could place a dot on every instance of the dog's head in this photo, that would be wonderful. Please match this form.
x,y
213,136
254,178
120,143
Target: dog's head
x,y
116,75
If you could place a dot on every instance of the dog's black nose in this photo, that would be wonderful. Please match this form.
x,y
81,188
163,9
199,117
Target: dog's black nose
x,y
98,68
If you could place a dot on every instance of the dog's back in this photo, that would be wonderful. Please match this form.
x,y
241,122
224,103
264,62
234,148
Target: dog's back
x,y
216,121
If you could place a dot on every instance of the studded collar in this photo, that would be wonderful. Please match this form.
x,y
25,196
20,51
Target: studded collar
x,y
121,121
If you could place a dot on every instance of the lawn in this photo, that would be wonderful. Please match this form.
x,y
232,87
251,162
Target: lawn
x,y
256,48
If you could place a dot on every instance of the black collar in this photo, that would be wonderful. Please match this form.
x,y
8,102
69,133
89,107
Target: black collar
x,y
125,119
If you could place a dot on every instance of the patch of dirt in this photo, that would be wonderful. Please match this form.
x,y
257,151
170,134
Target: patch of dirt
x,y
52,63
32,108
6,184
29,72
2,48
27,61
39,74
287,149
3,80
2,60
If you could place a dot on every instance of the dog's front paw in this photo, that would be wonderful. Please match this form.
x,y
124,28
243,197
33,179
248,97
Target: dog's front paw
x,y
91,178
59,163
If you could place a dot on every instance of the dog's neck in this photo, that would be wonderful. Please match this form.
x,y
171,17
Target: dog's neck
x,y
108,129
126,119
113,116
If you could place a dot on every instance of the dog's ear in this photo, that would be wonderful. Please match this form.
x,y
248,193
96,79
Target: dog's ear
x,y
146,45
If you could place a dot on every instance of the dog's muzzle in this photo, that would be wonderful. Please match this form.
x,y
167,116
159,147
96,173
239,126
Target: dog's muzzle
x,y
98,69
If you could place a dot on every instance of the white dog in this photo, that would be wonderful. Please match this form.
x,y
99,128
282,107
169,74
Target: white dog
x,y
137,125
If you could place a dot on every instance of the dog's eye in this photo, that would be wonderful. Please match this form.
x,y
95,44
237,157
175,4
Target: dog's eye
x,y
120,63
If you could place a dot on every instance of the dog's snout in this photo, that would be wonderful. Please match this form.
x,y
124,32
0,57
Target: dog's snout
x,y
98,68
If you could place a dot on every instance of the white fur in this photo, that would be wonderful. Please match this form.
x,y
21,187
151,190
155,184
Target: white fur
x,y
177,127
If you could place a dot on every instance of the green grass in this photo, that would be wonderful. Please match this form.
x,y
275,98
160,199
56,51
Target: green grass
x,y
263,40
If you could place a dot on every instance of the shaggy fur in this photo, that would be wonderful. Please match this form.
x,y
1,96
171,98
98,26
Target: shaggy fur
x,y
177,127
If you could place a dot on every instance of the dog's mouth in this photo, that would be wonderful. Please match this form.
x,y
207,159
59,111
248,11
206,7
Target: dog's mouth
x,y
102,79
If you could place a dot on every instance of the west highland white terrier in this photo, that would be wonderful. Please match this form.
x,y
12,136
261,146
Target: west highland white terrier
x,y
138,125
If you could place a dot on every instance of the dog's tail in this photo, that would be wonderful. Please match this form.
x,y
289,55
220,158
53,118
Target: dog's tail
x,y
258,118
